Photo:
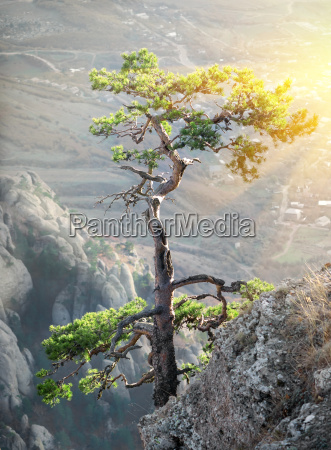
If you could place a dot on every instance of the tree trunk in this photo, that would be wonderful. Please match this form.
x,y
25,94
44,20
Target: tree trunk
x,y
164,360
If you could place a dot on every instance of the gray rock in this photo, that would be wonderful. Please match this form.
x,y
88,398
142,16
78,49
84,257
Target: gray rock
x,y
11,440
114,271
51,207
6,183
80,305
15,281
5,238
99,279
41,439
100,308
83,273
41,225
3,315
102,265
110,297
8,220
252,373
24,424
60,314
15,373
113,293
323,380
127,282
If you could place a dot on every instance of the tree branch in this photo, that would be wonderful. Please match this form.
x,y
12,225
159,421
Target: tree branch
x,y
127,321
215,323
146,378
194,297
144,174
203,278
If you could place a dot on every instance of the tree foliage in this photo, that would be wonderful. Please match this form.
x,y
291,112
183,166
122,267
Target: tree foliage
x,y
79,341
241,102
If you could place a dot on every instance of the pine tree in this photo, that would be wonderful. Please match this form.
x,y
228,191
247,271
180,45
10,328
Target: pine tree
x,y
161,101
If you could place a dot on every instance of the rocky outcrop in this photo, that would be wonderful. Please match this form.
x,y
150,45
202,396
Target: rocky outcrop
x,y
251,395
40,439
15,281
15,371
47,278
11,440
127,282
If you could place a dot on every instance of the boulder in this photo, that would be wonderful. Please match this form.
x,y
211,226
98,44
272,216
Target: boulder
x,y
51,207
5,238
11,197
113,293
252,379
15,281
119,287
24,425
127,282
83,273
81,303
323,380
41,438
15,373
29,358
110,297
100,308
98,280
3,315
102,265
6,183
41,225
60,314
9,439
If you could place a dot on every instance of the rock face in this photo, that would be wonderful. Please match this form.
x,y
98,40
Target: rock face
x,y
41,438
15,372
251,385
127,282
12,440
47,278
15,281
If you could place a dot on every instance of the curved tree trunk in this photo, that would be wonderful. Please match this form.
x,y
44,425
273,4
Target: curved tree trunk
x,y
163,350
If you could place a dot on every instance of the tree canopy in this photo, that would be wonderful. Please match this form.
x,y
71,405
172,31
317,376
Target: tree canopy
x,y
240,99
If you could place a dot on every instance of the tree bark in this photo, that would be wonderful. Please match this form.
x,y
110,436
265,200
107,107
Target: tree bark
x,y
163,350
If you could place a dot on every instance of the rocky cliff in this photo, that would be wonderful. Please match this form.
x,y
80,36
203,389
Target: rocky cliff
x,y
47,277
268,385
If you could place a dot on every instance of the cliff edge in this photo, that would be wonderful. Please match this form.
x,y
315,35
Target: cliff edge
x,y
268,384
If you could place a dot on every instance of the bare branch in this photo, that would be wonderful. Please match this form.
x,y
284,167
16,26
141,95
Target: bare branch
x,y
123,354
144,328
130,197
194,297
127,321
203,278
143,132
144,174
146,378
187,369
215,323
